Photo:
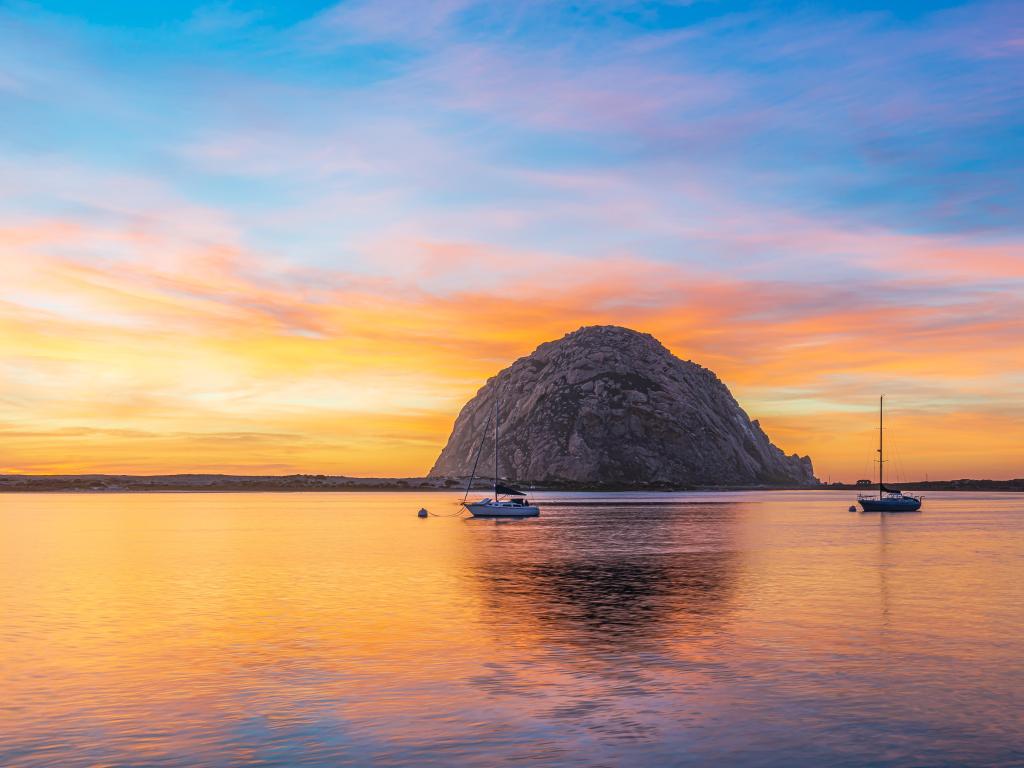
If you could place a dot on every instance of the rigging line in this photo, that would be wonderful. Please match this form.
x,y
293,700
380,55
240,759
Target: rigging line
x,y
898,462
903,463
868,467
479,450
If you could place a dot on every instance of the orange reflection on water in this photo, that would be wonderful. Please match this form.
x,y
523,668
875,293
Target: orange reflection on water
x,y
321,629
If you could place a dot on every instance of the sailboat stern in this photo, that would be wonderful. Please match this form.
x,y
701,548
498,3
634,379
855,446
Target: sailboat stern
x,y
511,508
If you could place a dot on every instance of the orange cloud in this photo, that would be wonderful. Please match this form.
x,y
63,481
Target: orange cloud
x,y
214,358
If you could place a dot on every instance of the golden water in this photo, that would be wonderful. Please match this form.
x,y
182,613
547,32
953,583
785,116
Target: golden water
x,y
663,629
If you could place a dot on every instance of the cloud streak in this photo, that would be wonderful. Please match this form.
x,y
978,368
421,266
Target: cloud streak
x,y
316,237
223,342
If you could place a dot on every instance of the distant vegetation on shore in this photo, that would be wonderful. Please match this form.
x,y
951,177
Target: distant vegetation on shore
x,y
209,483
335,483
964,484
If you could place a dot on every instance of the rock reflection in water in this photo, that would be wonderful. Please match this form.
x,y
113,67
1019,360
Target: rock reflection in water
x,y
623,575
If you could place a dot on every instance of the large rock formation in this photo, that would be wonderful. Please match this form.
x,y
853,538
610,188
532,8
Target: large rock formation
x,y
607,406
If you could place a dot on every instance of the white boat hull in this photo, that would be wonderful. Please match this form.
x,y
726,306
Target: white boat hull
x,y
491,508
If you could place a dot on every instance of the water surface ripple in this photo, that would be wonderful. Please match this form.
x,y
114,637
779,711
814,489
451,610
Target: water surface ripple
x,y
764,629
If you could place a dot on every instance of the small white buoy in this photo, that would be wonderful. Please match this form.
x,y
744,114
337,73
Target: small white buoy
x,y
852,508
422,512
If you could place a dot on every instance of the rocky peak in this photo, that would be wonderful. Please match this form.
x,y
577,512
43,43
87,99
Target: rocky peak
x,y
609,406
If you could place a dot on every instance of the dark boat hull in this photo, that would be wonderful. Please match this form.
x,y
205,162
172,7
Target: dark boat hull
x,y
900,504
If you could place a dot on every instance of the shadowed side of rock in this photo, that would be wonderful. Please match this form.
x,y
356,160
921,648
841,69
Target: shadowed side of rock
x,y
608,406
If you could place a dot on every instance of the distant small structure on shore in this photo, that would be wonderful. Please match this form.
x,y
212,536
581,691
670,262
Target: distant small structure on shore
x,y
863,482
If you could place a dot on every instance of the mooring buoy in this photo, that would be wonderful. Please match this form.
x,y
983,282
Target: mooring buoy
x,y
852,508
422,513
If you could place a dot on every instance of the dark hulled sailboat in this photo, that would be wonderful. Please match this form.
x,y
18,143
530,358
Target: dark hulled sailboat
x,y
888,499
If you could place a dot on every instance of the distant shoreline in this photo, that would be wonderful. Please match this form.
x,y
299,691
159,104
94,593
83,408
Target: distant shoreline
x,y
218,483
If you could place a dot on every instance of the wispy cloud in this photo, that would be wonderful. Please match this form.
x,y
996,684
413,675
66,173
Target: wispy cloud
x,y
220,17
238,229
246,346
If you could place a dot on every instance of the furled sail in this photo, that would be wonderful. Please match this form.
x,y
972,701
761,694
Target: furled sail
x,y
506,490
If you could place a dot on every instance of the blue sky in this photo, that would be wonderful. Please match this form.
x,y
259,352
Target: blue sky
x,y
781,163
872,113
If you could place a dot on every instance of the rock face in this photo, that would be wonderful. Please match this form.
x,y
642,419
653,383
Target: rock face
x,y
607,406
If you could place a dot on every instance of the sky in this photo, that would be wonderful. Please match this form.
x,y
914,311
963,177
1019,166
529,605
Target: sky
x,y
297,237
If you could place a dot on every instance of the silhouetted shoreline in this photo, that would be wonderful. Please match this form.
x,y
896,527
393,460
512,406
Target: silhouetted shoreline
x,y
218,483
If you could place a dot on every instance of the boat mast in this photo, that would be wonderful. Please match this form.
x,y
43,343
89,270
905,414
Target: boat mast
x,y
880,457
496,445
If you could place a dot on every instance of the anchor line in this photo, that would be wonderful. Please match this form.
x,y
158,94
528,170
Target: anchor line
x,y
460,513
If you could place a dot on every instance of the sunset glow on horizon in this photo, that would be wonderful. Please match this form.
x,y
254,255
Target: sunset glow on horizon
x,y
259,241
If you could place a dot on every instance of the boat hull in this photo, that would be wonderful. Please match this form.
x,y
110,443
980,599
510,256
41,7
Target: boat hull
x,y
490,509
902,504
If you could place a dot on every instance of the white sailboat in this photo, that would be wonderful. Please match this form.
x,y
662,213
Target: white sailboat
x,y
507,501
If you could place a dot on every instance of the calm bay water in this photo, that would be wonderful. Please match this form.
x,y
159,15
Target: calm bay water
x,y
654,629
